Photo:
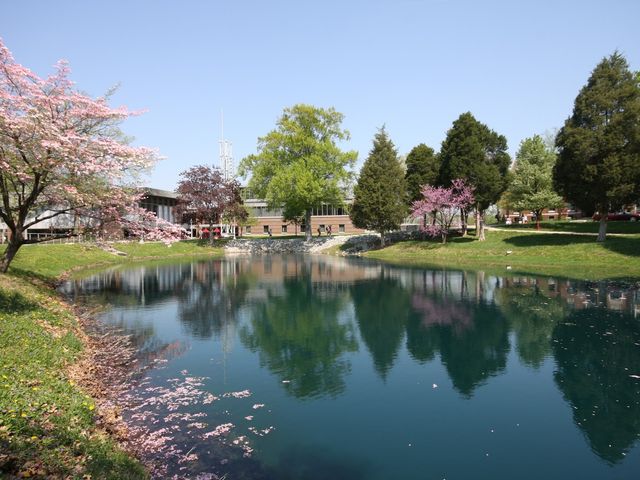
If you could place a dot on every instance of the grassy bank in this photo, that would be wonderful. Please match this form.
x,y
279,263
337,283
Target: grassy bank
x,y
576,226
570,256
47,423
51,261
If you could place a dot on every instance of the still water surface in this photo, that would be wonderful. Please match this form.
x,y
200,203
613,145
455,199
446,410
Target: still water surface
x,y
306,367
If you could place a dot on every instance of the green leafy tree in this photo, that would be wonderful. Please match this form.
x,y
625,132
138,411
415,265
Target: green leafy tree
x,y
299,164
598,165
473,152
532,184
423,166
294,217
379,196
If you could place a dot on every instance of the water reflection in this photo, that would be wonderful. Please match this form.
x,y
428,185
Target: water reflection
x,y
598,354
307,317
300,337
534,312
381,309
206,304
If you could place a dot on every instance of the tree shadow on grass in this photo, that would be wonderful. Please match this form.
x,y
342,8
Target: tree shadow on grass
x,y
14,302
465,239
629,246
548,240
31,277
623,245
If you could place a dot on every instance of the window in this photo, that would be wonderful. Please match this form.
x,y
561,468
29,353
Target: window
x,y
341,227
265,229
284,229
247,229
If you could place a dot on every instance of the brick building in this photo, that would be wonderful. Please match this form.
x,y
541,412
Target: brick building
x,y
323,216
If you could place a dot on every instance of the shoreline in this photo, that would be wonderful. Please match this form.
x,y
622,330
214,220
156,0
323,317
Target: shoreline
x,y
104,380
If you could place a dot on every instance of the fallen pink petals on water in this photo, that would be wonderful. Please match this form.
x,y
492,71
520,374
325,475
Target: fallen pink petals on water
x,y
219,430
261,433
258,405
199,425
242,394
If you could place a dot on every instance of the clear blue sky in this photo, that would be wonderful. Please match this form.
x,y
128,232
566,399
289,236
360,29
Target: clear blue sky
x,y
414,65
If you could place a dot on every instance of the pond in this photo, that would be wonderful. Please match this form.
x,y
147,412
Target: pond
x,y
317,367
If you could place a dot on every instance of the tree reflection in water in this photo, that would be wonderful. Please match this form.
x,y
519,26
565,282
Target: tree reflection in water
x,y
300,336
211,295
381,308
597,355
304,316
533,314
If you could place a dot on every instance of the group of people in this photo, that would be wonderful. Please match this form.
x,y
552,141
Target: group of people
x,y
521,219
327,229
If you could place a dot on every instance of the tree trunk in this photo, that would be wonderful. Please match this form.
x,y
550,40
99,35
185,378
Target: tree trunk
x,y
463,221
602,231
307,220
538,215
480,225
382,239
12,248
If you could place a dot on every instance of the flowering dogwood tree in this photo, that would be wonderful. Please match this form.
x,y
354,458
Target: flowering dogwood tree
x,y
62,154
441,205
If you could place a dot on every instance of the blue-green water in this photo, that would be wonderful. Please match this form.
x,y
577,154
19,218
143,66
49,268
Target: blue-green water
x,y
371,371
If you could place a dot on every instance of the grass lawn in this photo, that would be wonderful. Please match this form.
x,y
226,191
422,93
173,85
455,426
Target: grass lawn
x,y
50,261
588,226
569,256
47,425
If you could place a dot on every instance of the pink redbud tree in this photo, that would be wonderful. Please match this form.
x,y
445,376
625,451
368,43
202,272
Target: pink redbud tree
x,y
63,155
440,205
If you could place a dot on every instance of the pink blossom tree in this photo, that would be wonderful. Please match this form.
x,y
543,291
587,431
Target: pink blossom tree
x,y
63,155
441,205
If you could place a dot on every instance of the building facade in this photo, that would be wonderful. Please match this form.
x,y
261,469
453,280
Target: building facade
x,y
266,220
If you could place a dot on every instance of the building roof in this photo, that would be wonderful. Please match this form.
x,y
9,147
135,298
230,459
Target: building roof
x,y
156,192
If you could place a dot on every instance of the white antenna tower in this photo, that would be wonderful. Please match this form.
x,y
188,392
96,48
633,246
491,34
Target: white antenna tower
x,y
226,155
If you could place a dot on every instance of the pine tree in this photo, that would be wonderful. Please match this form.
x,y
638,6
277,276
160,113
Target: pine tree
x,y
473,152
379,196
423,166
598,165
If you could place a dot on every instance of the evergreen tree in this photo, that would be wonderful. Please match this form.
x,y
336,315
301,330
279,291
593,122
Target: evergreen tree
x,y
598,166
532,185
473,152
423,166
379,195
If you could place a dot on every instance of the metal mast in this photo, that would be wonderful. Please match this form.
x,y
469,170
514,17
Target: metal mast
x,y
226,155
